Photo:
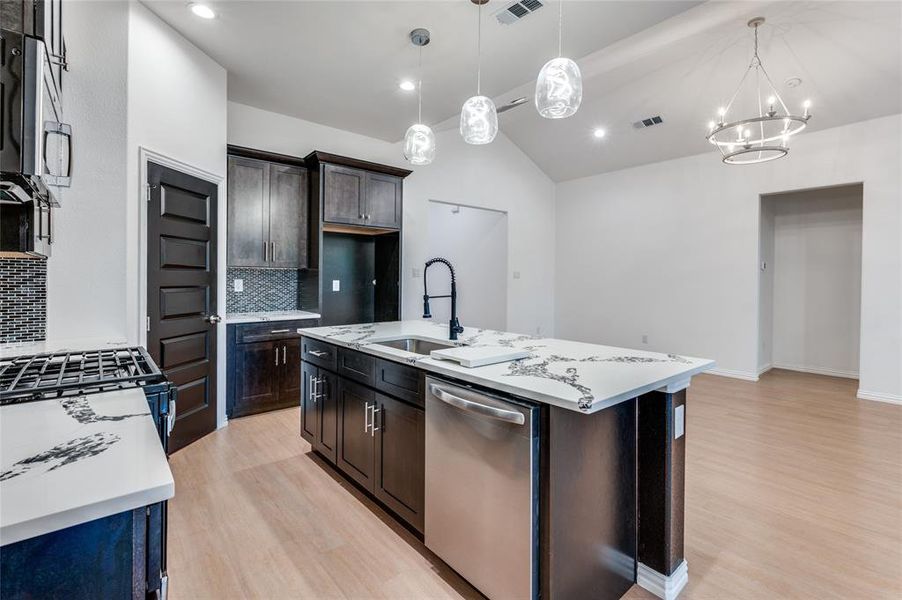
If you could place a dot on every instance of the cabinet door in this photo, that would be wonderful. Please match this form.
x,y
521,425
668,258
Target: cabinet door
x,y
248,218
290,375
257,369
287,216
383,201
401,459
327,415
343,194
356,446
308,403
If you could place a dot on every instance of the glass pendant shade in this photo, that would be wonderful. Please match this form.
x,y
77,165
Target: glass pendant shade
x,y
478,120
419,144
559,89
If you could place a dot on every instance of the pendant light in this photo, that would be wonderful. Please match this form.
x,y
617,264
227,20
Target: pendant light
x,y
419,141
478,119
764,134
559,88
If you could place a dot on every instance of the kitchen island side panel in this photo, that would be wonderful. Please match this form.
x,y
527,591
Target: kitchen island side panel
x,y
588,526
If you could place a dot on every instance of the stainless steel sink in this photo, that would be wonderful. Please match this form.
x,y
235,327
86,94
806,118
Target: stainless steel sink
x,y
414,345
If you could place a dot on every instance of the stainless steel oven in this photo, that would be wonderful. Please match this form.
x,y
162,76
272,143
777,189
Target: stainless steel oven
x,y
35,142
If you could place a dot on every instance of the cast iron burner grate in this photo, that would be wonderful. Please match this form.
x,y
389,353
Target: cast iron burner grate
x,y
61,374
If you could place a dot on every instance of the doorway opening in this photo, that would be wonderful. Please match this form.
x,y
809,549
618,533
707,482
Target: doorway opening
x,y
475,241
809,287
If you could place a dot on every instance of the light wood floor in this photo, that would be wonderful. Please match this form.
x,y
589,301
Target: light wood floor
x,y
793,490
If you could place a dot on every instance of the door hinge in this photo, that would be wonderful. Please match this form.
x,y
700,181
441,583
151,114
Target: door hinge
x,y
147,322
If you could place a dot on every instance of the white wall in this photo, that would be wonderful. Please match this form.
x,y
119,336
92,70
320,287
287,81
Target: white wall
x,y
671,250
817,280
497,176
86,273
475,241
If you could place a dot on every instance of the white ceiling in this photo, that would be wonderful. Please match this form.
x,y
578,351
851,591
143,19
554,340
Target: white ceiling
x,y
339,63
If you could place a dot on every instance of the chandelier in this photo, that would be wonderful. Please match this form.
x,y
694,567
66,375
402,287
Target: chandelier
x,y
764,136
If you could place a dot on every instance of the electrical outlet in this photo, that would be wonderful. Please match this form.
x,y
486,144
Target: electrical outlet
x,y
238,285
336,285
417,272
516,274
644,339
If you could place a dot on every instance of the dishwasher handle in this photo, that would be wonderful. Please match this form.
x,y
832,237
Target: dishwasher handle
x,y
509,416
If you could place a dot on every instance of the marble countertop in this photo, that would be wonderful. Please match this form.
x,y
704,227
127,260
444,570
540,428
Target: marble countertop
x,y
10,349
573,375
68,461
260,317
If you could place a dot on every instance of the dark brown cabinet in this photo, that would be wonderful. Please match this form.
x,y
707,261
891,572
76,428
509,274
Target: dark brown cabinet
x,y
358,197
380,441
383,201
267,220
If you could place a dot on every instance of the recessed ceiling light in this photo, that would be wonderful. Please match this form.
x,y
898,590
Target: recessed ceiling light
x,y
599,133
407,85
202,10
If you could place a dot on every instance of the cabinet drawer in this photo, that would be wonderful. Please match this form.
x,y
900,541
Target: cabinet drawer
x,y
269,330
319,353
356,365
401,381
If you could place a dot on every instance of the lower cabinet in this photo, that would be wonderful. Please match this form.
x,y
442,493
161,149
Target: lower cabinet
x,y
376,440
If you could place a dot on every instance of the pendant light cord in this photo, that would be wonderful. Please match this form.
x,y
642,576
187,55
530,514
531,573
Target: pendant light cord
x,y
478,48
420,86
560,28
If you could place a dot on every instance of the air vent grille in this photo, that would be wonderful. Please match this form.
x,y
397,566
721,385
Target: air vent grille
x,y
648,122
515,11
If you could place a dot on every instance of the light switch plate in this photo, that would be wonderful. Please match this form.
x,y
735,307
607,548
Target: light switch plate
x,y
516,274
336,285
238,285
417,272
679,421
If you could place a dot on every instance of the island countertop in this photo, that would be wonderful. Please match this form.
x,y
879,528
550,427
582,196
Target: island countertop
x,y
69,461
574,375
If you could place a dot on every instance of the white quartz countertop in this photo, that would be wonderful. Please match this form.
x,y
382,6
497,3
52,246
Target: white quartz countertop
x,y
259,317
573,375
69,461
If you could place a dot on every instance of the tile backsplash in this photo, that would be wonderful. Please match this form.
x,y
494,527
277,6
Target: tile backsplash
x,y
264,290
23,299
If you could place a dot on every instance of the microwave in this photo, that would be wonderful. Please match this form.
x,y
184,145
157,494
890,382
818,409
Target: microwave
x,y
35,143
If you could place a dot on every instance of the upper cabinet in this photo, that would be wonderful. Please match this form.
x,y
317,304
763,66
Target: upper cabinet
x,y
358,193
267,221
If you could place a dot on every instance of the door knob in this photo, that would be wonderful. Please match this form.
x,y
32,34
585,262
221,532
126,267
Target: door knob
x,y
213,319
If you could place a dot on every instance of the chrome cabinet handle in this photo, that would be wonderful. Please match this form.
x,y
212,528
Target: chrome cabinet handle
x,y
510,416
313,395
277,357
272,251
280,331
265,251
317,353
366,417
373,428
284,351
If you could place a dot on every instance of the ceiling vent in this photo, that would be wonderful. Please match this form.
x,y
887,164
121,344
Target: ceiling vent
x,y
649,122
515,11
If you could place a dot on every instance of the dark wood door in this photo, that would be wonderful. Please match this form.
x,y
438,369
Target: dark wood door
x,y
290,374
383,201
248,219
181,295
287,216
343,194
258,367
327,415
308,403
356,444
400,459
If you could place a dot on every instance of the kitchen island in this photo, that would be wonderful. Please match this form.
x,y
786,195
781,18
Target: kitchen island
x,y
607,460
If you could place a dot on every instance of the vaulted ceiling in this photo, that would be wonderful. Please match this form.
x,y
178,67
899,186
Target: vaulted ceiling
x,y
339,63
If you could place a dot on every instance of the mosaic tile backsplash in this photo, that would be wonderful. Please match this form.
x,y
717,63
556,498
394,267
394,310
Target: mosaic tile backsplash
x,y
23,299
264,290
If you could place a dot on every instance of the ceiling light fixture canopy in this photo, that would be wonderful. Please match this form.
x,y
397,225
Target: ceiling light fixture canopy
x,y
762,137
478,117
419,141
559,87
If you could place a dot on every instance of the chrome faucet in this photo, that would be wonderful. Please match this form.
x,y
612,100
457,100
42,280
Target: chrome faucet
x,y
454,325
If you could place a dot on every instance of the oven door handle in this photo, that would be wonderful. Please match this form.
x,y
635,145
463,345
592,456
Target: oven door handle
x,y
170,418
65,130
510,416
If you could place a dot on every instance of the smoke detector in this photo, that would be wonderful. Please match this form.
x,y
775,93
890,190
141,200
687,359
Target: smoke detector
x,y
515,11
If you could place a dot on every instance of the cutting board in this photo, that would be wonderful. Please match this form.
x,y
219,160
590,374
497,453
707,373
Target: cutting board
x,y
479,356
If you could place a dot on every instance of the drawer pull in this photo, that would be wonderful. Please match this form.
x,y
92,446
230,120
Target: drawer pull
x,y
280,331
317,353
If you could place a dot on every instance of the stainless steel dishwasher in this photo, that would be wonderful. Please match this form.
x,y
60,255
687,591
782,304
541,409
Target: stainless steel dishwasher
x,y
481,488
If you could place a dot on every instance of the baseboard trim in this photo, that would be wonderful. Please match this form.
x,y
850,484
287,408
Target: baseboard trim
x,y
666,587
879,397
745,375
764,369
817,370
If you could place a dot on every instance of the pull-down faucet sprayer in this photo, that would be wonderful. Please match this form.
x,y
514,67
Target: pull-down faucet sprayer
x,y
453,326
